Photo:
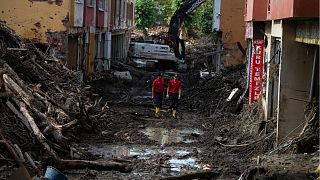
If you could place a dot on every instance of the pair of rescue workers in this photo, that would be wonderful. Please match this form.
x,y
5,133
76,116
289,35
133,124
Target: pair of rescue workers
x,y
173,93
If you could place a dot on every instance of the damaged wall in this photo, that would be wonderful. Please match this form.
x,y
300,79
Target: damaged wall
x,y
233,30
37,21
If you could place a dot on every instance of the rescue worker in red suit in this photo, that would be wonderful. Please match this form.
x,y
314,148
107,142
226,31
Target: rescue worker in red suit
x,y
173,92
157,92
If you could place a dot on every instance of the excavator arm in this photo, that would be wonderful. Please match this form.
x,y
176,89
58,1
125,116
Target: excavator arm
x,y
177,19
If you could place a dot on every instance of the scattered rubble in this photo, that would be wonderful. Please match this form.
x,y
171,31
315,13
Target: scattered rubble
x,y
44,105
106,129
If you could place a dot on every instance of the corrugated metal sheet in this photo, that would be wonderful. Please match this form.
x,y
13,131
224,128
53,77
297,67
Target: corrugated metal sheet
x,y
308,32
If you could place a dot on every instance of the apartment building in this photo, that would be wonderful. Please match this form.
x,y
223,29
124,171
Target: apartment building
x,y
84,34
283,52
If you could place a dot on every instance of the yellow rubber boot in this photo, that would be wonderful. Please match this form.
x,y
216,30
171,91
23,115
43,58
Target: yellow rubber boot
x,y
157,112
174,113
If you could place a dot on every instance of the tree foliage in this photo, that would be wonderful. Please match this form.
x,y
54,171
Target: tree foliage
x,y
202,17
150,11
145,13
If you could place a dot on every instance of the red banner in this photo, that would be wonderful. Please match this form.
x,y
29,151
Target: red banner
x,y
256,69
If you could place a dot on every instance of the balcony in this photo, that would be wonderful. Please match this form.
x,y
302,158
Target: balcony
x,y
285,9
256,10
262,10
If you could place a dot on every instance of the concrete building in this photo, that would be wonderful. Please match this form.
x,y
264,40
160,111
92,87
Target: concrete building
x,y
85,34
283,41
121,25
228,19
42,23
76,35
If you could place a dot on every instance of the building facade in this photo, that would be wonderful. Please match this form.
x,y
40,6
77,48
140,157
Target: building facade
x,y
85,34
42,23
122,22
283,52
233,30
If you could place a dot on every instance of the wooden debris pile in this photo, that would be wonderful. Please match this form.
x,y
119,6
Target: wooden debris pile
x,y
43,103
210,94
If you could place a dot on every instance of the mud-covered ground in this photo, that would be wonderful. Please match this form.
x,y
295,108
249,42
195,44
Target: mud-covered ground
x,y
206,136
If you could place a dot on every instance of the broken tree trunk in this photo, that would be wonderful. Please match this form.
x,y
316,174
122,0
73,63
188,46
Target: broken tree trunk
x,y
84,116
56,131
196,175
9,147
34,126
24,111
95,165
26,96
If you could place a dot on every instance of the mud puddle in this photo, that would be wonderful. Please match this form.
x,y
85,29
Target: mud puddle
x,y
175,160
168,136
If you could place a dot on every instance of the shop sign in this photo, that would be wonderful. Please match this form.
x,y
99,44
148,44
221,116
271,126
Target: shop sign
x,y
256,69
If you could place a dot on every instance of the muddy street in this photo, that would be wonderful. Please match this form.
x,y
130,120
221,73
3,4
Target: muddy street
x,y
161,146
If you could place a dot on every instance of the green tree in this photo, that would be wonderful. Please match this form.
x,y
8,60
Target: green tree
x,y
202,17
150,11
145,13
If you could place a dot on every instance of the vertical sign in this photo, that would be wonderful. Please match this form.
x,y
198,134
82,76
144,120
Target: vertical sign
x,y
256,69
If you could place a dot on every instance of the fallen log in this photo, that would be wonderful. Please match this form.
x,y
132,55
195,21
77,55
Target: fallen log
x,y
18,113
34,126
13,153
6,94
94,165
196,175
17,49
26,117
56,131
52,127
84,116
18,150
44,96
10,72
17,89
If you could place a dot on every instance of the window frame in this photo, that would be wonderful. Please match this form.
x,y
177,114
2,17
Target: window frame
x,y
103,5
90,4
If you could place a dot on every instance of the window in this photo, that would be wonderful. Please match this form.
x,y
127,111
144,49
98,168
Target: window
x,y
78,1
101,5
90,3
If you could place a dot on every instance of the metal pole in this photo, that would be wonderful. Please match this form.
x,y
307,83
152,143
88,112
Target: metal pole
x,y
315,59
219,54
